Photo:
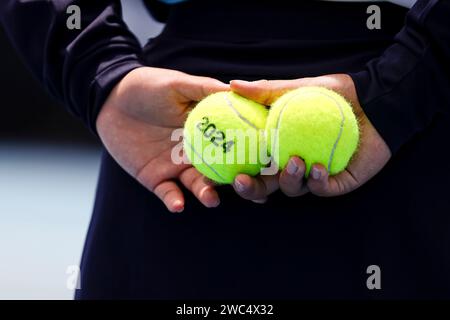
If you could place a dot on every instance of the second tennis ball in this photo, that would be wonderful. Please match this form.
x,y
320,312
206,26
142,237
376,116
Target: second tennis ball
x,y
314,123
223,136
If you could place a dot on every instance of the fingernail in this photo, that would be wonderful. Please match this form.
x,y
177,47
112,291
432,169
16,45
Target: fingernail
x,y
292,167
237,80
315,173
239,186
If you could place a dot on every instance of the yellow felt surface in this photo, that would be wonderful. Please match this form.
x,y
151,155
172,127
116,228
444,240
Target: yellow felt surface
x,y
230,118
316,124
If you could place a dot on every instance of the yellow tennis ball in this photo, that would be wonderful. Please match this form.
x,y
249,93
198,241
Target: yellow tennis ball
x,y
314,123
224,136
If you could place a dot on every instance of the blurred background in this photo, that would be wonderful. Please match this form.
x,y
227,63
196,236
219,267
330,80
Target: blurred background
x,y
49,164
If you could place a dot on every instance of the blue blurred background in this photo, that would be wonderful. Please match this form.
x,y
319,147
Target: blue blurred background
x,y
48,170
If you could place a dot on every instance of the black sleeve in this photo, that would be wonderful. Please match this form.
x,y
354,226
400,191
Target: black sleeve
x,y
404,89
79,67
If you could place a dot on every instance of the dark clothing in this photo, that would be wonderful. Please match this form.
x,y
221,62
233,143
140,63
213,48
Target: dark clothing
x,y
306,247
407,88
79,67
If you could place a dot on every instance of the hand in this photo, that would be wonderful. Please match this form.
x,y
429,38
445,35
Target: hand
x,y
372,155
136,123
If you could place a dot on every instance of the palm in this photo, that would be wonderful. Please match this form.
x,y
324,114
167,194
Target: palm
x,y
136,126
147,150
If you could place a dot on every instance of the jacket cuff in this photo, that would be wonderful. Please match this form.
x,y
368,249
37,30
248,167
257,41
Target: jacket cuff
x,y
104,83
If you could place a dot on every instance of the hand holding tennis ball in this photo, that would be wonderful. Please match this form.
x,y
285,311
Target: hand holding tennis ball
x,y
136,125
371,155
314,123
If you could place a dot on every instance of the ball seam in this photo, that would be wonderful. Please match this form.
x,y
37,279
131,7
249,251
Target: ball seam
x,y
341,129
230,104
204,162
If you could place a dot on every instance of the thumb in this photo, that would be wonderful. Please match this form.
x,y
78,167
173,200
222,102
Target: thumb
x,y
263,91
195,88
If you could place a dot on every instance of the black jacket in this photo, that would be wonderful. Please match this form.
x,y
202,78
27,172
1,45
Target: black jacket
x,y
81,67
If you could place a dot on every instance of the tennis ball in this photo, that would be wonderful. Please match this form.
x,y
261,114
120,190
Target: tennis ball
x,y
224,136
314,123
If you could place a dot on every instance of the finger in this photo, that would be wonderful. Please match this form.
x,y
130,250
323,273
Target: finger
x,y
171,195
291,178
200,187
211,182
321,184
196,88
255,188
260,201
264,91
318,182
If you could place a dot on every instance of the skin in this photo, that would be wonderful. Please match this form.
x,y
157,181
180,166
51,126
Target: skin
x,y
371,157
136,123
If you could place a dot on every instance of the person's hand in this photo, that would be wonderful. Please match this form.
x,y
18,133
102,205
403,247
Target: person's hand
x,y
372,155
136,123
